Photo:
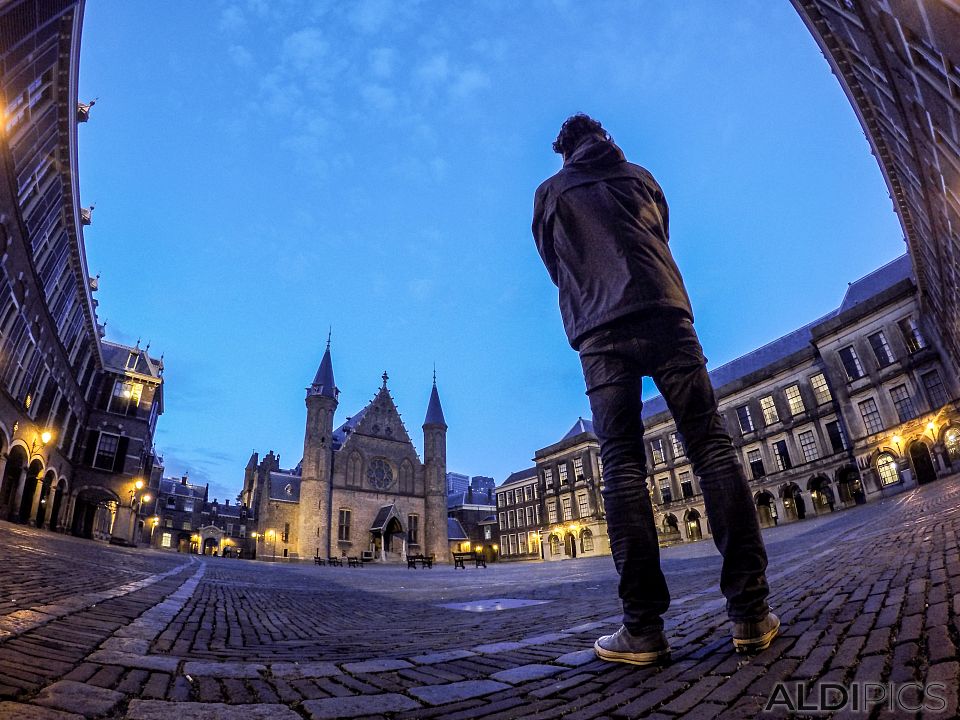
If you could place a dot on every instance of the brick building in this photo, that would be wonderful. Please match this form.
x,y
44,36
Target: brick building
x,y
360,489
77,413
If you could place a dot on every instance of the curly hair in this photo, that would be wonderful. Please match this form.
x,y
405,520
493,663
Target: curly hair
x,y
574,129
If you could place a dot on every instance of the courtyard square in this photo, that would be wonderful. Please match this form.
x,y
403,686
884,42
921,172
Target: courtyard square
x,y
91,630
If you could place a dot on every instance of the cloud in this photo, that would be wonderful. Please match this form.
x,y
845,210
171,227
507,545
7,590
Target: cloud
x,y
381,61
304,49
240,56
434,70
370,15
380,97
232,19
468,82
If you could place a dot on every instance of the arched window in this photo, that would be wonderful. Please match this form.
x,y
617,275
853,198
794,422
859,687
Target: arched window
x,y
554,545
586,541
951,440
406,477
887,469
380,474
354,470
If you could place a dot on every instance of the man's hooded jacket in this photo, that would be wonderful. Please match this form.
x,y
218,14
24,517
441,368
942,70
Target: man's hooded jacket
x,y
601,225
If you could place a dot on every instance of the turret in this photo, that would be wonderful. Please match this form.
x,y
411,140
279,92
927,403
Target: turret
x,y
314,511
435,476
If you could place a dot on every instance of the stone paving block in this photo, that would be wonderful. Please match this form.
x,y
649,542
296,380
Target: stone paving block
x,y
79,697
160,710
21,711
453,692
357,706
378,665
223,669
441,657
525,673
576,658
162,663
304,670
498,647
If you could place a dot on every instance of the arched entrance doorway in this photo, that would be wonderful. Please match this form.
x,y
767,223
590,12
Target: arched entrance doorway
x,y
42,510
56,506
793,503
766,509
693,525
848,483
822,494
93,513
922,463
16,462
671,528
30,489
570,545
210,546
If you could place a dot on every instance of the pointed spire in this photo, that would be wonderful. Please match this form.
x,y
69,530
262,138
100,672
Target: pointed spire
x,y
385,378
323,383
434,410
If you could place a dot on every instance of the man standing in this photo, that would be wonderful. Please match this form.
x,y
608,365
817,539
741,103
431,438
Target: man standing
x,y
601,226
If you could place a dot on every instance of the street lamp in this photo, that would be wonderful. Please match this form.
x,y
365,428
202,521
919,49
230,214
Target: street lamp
x,y
40,441
273,535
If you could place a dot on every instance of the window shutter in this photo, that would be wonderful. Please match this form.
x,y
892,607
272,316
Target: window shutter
x,y
121,458
93,436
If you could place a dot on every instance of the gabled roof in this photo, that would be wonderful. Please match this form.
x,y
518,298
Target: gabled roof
x,y
876,282
384,514
343,432
519,475
579,427
284,487
123,359
455,531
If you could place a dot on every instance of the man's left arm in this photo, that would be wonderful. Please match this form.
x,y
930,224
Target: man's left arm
x,y
543,234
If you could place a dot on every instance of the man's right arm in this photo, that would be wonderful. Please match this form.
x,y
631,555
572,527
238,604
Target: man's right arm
x,y
543,233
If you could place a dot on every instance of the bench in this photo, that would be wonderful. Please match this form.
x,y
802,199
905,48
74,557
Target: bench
x,y
477,559
421,559
335,561
319,560
353,562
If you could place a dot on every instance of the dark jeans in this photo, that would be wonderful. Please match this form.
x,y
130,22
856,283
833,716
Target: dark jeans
x,y
615,359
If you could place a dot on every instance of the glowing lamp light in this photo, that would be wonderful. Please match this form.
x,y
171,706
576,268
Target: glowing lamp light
x,y
146,498
138,484
477,548
46,436
931,426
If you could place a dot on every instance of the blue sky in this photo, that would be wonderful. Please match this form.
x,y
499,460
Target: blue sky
x,y
263,171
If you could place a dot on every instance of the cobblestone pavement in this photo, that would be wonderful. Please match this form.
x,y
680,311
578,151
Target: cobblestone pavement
x,y
88,630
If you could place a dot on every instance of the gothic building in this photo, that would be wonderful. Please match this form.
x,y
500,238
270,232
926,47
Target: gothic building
x,y
360,490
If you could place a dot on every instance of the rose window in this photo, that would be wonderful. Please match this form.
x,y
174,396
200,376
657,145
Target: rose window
x,y
380,474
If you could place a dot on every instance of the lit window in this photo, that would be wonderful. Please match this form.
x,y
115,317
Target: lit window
x,y
586,541
871,416
126,397
746,422
657,447
794,400
881,349
551,511
821,391
887,469
562,472
912,335
165,540
567,509
808,445
851,363
935,390
951,439
782,455
756,464
769,409
903,403
583,506
548,477
554,545
676,441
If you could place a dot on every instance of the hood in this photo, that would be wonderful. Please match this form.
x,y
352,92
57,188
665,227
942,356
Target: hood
x,y
594,152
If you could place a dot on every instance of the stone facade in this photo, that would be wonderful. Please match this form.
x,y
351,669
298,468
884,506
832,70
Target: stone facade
x,y
856,405
361,490
897,62
77,413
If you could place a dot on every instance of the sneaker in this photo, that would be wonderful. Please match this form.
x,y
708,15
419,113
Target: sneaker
x,y
622,646
751,637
